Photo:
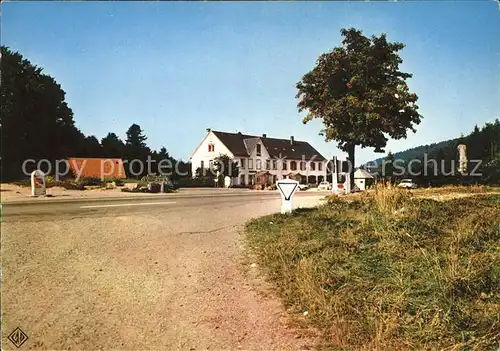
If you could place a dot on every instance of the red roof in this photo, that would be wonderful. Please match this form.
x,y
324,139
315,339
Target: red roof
x,y
97,167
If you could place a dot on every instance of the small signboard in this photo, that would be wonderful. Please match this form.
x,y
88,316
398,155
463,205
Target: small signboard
x,y
287,188
37,183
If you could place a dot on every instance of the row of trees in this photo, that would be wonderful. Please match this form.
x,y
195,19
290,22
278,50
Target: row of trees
x,y
37,123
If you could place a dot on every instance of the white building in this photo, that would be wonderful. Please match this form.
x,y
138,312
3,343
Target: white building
x,y
280,158
362,179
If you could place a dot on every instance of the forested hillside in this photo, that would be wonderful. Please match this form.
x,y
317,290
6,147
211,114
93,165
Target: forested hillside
x,y
483,154
37,123
416,152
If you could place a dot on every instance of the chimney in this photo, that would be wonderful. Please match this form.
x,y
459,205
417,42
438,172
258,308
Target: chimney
x,y
264,135
209,130
292,140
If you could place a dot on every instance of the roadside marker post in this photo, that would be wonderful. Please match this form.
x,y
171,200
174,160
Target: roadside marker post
x,y
287,188
37,183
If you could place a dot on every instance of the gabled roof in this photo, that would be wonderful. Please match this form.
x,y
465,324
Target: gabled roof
x,y
250,144
234,142
363,174
242,144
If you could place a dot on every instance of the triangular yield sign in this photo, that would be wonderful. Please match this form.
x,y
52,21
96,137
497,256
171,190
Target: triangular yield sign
x,y
287,189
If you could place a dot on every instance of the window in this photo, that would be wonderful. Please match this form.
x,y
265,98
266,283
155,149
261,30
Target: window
x,y
250,164
258,164
268,164
284,164
242,163
258,149
275,165
320,166
302,166
211,147
313,166
293,165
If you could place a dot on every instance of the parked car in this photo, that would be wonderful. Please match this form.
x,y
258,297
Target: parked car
x,y
408,184
325,186
303,186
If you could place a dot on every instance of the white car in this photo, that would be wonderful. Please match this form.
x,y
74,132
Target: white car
x,y
408,184
324,186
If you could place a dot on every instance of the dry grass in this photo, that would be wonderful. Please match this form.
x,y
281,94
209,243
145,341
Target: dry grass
x,y
388,271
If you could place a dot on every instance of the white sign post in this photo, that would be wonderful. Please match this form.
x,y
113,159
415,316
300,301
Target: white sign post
x,y
37,183
287,188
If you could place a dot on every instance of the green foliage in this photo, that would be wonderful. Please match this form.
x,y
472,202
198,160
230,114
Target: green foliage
x,y
36,121
112,146
225,165
359,93
386,167
135,144
483,145
199,182
418,151
388,272
118,181
91,181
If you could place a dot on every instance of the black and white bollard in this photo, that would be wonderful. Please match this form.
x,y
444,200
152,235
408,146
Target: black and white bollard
x,y
287,188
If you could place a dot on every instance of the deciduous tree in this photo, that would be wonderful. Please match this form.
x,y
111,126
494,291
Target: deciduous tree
x,y
359,93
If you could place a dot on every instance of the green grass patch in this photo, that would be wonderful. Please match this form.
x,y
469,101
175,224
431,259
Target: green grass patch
x,y
389,271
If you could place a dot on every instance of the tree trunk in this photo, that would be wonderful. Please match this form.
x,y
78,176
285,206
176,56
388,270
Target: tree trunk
x,y
350,153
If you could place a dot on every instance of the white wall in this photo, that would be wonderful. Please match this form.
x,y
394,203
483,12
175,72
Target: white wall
x,y
279,172
360,183
202,153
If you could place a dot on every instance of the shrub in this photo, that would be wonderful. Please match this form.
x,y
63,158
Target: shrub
x,y
24,182
117,181
205,182
155,189
91,181
70,185
49,181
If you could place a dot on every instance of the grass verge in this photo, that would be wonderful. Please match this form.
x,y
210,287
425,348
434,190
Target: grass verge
x,y
389,271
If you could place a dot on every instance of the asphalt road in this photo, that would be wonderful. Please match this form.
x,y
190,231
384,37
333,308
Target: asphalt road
x,y
161,204
168,272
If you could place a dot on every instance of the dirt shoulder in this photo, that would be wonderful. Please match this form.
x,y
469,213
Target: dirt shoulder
x,y
165,279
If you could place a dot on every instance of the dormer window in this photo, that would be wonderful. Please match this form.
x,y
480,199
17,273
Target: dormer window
x,y
211,147
258,150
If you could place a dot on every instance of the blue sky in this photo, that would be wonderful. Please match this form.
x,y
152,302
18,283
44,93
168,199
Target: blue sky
x,y
178,68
